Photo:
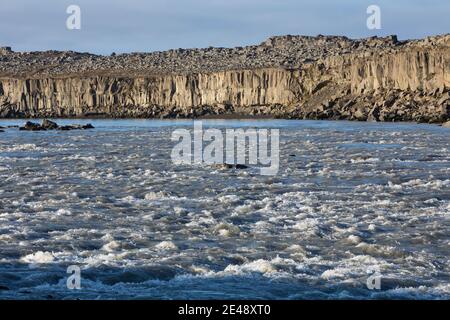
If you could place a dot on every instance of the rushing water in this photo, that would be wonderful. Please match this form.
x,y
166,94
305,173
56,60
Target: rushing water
x,y
349,198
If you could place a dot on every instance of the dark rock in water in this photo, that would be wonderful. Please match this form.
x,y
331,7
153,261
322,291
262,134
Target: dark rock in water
x,y
12,126
65,128
2,130
230,166
31,126
223,166
3,288
88,126
76,127
49,125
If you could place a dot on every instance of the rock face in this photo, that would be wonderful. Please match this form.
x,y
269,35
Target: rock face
x,y
375,79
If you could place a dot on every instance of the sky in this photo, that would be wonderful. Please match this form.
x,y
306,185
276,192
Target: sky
x,y
152,25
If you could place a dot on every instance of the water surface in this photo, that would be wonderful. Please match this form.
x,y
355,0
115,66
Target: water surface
x,y
349,198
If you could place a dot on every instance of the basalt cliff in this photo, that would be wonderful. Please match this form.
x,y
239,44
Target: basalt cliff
x,y
294,77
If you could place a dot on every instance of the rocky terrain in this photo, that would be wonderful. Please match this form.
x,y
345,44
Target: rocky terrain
x,y
323,77
285,51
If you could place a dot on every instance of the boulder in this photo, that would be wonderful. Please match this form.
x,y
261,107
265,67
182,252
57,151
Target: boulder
x,y
374,114
446,124
32,126
88,126
361,113
49,125
6,50
444,99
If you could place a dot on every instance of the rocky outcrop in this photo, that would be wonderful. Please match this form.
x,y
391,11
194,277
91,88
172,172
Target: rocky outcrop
x,y
375,79
150,96
50,125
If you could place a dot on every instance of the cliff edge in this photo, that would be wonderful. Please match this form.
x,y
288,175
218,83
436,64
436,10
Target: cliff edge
x,y
323,77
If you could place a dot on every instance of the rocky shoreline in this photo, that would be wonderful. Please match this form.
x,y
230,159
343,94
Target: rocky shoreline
x,y
289,77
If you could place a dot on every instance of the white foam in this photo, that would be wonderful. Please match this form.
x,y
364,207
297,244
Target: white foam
x,y
260,266
155,195
227,230
354,239
63,212
166,245
111,246
79,157
39,257
229,199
